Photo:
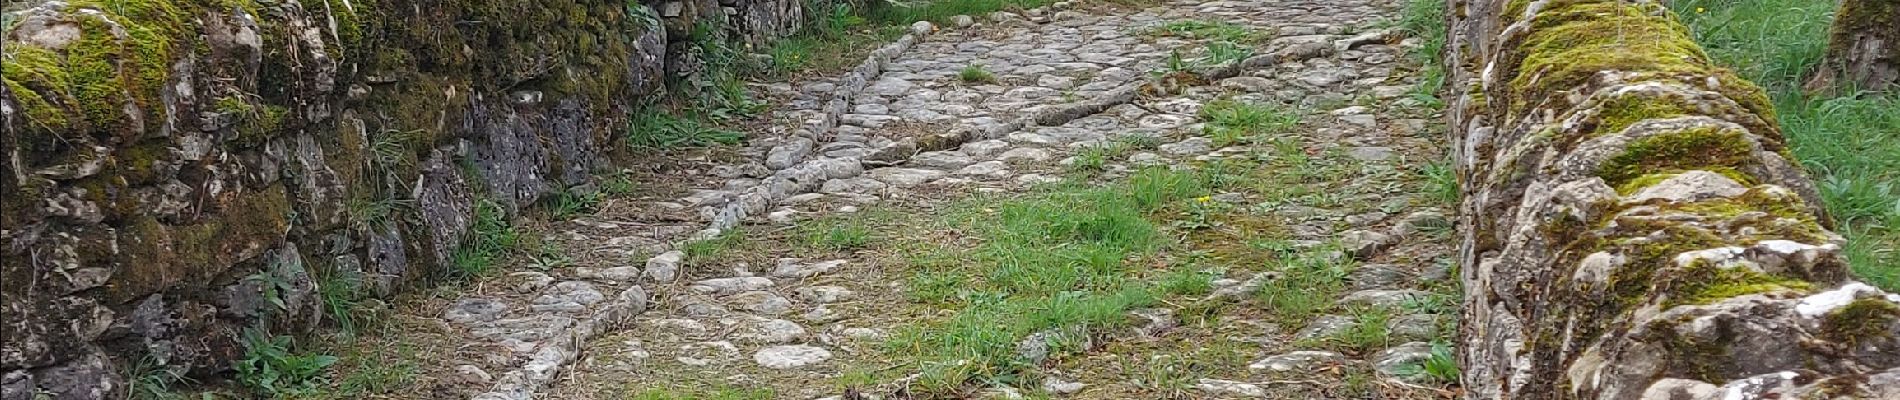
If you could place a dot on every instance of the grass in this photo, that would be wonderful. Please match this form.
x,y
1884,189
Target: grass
x,y
1367,334
1850,144
568,203
837,233
1215,30
490,237
1063,261
703,251
1441,182
721,393
660,130
1425,19
1231,122
1222,52
1308,285
835,40
941,11
975,74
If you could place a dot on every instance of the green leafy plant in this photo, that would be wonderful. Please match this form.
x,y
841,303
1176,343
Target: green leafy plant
x,y
148,379
271,368
1441,367
1222,52
549,256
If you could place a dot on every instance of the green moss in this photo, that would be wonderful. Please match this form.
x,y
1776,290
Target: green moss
x,y
1651,179
1571,42
1703,283
43,70
1622,111
166,255
1863,319
1703,148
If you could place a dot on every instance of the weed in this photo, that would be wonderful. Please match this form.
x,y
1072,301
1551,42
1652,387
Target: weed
x,y
663,131
1053,262
837,234
549,256
701,251
342,294
1308,286
489,238
717,393
1441,183
1167,376
1441,367
1186,282
148,379
273,287
568,203
1222,52
941,11
369,371
616,184
974,73
1231,122
366,213
271,368
1216,30
1425,19
1368,331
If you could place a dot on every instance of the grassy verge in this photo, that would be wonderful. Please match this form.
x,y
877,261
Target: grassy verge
x,y
1850,143
1057,267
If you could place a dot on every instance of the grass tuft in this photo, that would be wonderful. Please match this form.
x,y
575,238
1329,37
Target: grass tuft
x,y
975,74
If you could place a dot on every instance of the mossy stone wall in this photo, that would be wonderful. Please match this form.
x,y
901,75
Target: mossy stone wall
x,y
160,156
1635,227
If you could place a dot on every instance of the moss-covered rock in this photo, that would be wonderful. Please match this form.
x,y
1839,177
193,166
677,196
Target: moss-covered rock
x,y
1638,227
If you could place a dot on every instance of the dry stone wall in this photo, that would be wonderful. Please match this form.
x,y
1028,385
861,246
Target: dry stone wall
x,y
1636,227
177,171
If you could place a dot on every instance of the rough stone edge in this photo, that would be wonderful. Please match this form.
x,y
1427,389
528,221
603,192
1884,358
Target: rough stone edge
x,y
557,354
1521,191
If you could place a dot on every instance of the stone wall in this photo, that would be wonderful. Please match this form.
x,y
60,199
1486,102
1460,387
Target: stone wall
x,y
1636,227
177,171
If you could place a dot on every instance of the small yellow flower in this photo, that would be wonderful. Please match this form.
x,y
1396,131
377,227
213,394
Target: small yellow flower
x,y
1204,199
1699,10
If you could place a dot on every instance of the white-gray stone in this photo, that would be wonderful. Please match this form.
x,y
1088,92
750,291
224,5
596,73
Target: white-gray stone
x,y
1690,186
728,286
792,356
793,268
768,331
791,152
762,302
475,310
1193,145
664,267
825,294
1303,360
